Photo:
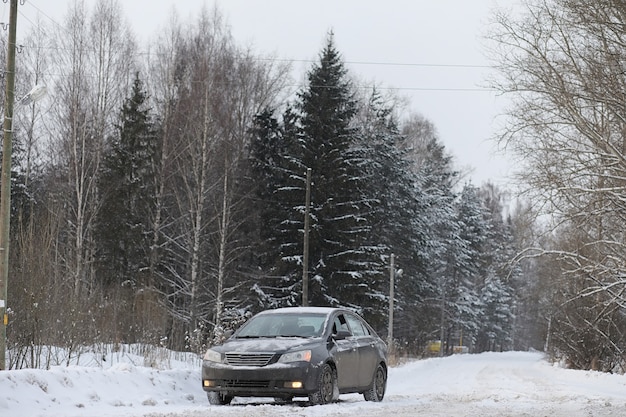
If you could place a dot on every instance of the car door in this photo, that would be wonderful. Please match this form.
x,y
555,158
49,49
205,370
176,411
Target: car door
x,y
366,346
346,355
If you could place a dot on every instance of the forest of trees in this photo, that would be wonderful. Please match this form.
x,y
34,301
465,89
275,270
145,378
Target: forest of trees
x,y
159,192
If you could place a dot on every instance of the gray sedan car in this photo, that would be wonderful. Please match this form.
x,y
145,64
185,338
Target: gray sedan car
x,y
314,352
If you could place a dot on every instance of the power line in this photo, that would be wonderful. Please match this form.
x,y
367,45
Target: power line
x,y
148,53
31,3
294,60
357,86
360,86
381,63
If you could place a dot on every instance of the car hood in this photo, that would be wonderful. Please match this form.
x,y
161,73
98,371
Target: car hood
x,y
273,344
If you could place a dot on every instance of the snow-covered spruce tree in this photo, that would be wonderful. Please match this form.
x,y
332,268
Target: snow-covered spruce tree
x,y
435,226
396,215
342,267
126,183
265,148
464,310
477,296
499,276
495,328
279,283
531,301
339,224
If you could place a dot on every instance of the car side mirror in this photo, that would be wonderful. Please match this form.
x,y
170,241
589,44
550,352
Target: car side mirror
x,y
341,335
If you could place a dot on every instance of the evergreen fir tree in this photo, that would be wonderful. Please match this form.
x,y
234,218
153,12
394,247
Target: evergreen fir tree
x,y
279,283
443,249
126,184
340,224
396,225
266,148
495,329
318,134
466,309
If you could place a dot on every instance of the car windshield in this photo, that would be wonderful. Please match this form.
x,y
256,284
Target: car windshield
x,y
285,325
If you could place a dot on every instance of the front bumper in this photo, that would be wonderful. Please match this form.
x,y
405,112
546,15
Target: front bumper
x,y
275,380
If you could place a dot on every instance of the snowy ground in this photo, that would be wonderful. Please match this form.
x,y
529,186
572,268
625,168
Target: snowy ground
x,y
485,385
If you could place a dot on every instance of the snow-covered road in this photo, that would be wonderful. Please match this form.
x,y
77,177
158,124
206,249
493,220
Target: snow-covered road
x,y
485,385
492,384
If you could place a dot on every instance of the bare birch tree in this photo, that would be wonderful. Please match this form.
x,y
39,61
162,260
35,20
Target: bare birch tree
x,y
71,139
562,64
208,91
93,55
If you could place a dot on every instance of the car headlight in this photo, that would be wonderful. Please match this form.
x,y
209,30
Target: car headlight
x,y
212,356
299,356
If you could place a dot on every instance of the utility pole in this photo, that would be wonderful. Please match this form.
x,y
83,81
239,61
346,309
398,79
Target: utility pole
x,y
305,255
392,274
5,182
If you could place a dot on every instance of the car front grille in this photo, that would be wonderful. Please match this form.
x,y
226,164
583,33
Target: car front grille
x,y
232,383
248,359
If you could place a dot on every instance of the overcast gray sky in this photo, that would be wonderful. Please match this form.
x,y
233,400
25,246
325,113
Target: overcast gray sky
x,y
430,51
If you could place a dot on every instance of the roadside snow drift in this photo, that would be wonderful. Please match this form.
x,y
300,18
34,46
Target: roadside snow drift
x,y
489,384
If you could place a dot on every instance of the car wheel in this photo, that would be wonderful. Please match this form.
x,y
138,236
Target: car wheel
x,y
376,391
326,390
217,398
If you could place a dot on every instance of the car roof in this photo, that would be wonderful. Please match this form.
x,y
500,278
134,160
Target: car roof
x,y
303,310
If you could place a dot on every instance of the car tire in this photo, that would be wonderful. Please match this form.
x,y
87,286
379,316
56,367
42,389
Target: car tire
x,y
376,391
217,398
326,390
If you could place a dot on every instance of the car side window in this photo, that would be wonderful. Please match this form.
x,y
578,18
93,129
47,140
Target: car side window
x,y
340,324
358,329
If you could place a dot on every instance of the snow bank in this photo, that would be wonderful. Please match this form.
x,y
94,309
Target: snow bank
x,y
490,384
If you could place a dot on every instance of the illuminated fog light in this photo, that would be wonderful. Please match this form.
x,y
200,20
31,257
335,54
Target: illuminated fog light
x,y
208,383
293,384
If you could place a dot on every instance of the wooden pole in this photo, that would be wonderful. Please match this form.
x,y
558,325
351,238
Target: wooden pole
x,y
392,274
305,255
5,183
